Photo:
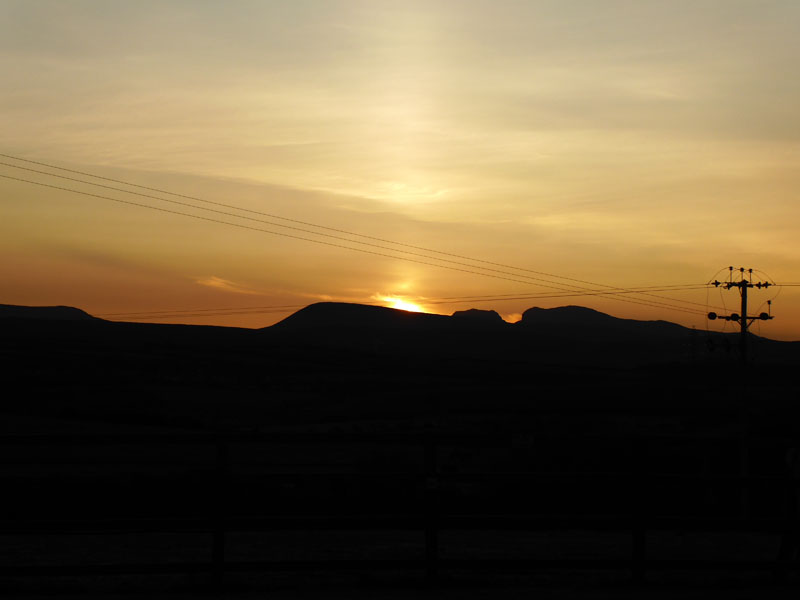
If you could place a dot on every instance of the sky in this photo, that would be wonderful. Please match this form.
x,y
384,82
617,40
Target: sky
x,y
617,144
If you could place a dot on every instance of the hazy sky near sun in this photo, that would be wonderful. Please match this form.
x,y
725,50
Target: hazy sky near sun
x,y
630,143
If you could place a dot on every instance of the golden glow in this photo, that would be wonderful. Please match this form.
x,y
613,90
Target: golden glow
x,y
401,304
629,147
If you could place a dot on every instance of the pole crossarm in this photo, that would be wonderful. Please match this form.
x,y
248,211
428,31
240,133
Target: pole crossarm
x,y
744,283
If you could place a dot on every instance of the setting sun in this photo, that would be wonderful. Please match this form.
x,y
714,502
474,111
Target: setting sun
x,y
323,150
401,304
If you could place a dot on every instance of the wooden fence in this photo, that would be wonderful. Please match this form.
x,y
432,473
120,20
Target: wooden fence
x,y
22,455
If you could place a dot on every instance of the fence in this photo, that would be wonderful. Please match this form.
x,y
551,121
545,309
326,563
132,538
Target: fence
x,y
432,484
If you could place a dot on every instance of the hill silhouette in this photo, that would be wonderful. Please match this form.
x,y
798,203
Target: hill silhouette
x,y
52,313
563,393
334,358
341,315
571,321
567,336
475,315
339,318
576,321
332,361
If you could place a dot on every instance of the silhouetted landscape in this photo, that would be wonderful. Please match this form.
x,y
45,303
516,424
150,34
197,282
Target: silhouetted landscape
x,y
600,198
345,361
440,447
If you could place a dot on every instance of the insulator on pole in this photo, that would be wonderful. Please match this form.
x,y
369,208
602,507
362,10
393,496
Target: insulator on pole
x,y
744,319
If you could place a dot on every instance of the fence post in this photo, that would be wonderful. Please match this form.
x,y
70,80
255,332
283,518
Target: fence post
x,y
220,495
744,468
639,501
431,507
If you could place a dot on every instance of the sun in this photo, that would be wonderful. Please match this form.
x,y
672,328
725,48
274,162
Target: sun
x,y
401,304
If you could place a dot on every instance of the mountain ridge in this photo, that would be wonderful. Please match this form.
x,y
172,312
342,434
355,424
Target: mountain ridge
x,y
353,336
50,313
341,314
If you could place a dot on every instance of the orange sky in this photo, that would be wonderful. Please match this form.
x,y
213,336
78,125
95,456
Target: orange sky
x,y
624,144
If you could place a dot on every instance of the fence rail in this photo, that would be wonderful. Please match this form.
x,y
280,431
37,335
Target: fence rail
x,y
431,519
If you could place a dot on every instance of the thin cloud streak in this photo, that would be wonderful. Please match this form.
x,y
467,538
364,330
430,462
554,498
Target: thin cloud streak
x,y
634,142
224,285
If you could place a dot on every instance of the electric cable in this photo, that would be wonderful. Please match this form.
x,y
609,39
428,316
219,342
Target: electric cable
x,y
644,302
538,280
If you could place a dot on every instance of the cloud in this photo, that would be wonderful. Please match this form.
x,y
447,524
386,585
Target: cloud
x,y
224,285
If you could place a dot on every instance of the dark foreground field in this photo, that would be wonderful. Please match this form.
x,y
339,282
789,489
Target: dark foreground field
x,y
398,457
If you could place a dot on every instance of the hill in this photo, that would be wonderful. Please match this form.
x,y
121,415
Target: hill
x,y
569,335
50,313
570,394
345,316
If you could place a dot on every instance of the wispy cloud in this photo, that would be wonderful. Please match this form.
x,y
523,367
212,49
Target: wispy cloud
x,y
225,285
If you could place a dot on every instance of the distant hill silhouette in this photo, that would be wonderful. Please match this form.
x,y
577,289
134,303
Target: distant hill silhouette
x,y
562,335
568,315
305,426
576,321
361,317
52,313
475,315
567,335
565,321
340,315
330,359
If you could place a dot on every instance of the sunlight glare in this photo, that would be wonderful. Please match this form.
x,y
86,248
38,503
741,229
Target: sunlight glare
x,y
401,304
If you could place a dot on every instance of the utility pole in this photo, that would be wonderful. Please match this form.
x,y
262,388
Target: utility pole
x,y
745,282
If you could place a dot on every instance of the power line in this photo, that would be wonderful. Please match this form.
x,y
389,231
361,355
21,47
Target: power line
x,y
423,300
470,270
197,310
278,308
676,287
569,294
274,216
588,292
350,233
141,317
650,303
539,281
287,235
256,310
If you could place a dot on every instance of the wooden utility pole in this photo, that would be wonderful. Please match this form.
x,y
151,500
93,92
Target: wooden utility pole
x,y
744,320
745,283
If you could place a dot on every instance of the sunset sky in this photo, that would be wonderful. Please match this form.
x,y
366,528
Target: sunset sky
x,y
620,143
